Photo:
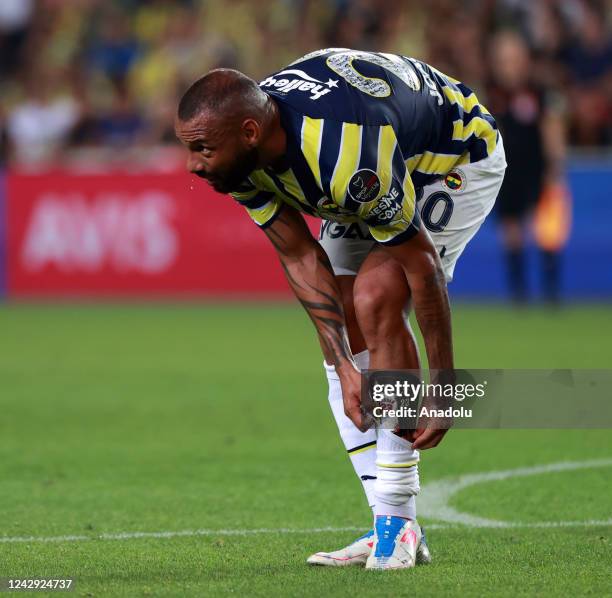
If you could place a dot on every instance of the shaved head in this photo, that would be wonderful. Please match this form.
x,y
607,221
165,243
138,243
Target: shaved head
x,y
224,93
230,127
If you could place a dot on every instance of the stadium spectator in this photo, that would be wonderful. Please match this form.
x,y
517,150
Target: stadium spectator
x,y
589,60
122,125
40,126
114,49
156,47
15,19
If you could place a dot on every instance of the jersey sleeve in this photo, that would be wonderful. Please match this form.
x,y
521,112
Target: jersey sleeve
x,y
262,206
370,178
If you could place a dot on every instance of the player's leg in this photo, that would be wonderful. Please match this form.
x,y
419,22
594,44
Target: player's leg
x,y
384,302
452,221
347,247
380,294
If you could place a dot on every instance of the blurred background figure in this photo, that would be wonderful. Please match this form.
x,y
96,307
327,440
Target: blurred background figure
x,y
92,85
530,118
136,56
15,16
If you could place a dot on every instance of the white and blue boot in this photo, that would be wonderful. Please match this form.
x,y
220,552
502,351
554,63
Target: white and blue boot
x,y
396,541
357,553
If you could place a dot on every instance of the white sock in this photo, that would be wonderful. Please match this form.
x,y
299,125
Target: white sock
x,y
360,446
397,482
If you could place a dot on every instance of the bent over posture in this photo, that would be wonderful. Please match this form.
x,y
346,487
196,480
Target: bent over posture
x,y
403,164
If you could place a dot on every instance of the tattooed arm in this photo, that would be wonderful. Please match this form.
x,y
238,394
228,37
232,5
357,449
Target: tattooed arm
x,y
425,277
312,279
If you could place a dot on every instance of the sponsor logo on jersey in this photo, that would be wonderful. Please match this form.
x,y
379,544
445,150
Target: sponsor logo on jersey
x,y
297,80
364,185
335,230
455,180
387,208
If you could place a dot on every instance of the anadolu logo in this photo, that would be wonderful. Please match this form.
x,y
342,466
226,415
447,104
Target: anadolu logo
x,y
455,180
303,82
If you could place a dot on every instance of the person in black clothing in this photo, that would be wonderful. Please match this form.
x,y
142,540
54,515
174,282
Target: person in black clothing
x,y
530,120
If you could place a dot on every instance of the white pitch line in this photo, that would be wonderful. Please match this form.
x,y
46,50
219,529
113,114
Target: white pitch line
x,y
434,497
433,503
281,531
180,533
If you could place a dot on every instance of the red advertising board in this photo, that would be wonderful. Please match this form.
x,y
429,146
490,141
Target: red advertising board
x,y
158,234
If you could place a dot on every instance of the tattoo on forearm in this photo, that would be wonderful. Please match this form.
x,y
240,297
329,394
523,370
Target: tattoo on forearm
x,y
328,318
316,289
294,283
433,314
325,311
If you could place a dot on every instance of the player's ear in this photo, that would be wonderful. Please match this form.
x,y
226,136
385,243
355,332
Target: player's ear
x,y
251,131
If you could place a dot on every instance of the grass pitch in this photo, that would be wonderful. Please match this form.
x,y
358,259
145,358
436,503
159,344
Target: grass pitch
x,y
125,419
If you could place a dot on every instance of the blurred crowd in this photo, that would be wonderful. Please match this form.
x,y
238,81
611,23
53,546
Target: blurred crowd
x,y
101,78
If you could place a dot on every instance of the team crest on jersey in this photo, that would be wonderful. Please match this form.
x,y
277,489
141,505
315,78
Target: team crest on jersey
x,y
364,185
455,180
327,207
297,80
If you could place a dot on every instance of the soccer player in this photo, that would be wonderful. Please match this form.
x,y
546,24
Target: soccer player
x,y
403,164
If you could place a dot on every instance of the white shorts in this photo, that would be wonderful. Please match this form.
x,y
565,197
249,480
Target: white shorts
x,y
451,209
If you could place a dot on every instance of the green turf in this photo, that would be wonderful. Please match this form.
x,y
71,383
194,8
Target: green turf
x,y
181,417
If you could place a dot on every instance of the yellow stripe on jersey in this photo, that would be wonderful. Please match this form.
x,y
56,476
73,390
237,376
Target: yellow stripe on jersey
x,y
264,181
409,204
456,97
242,196
291,184
430,163
265,213
312,133
402,221
348,160
477,126
387,143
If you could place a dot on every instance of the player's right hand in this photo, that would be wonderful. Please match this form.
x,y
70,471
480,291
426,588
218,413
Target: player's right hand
x,y
350,380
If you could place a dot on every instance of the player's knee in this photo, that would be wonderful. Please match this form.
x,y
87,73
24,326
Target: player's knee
x,y
376,303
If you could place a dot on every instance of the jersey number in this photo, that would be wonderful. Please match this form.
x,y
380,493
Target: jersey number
x,y
342,64
443,213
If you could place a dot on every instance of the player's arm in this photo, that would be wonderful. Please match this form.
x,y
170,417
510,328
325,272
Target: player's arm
x,y
385,199
312,279
386,202
421,264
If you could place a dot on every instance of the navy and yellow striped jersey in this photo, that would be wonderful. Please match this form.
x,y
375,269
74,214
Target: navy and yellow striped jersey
x,y
364,132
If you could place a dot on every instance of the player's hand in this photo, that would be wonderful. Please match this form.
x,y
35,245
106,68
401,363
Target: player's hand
x,y
426,438
350,380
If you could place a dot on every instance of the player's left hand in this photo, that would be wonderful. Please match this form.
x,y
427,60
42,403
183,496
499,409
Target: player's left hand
x,y
426,438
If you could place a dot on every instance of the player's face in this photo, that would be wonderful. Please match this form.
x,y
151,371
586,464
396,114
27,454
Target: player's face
x,y
218,152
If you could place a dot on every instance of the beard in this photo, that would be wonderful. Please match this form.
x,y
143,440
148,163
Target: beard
x,y
235,175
